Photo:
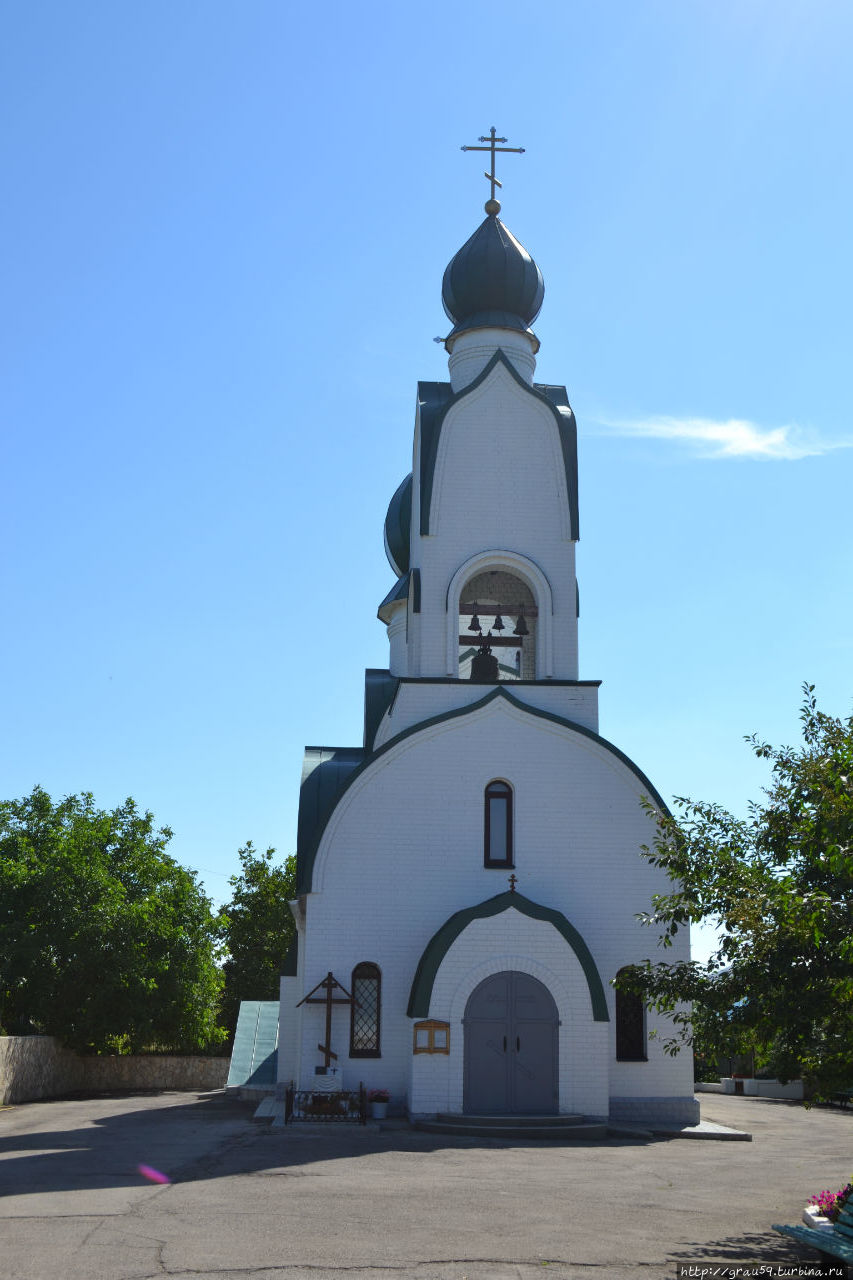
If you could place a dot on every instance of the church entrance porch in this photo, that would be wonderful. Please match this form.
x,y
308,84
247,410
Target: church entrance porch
x,y
510,1054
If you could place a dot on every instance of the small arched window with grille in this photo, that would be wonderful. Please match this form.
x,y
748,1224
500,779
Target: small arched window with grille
x,y
498,825
630,1027
366,988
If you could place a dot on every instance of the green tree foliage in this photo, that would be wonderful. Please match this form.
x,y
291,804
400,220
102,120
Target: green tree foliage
x,y
780,886
258,928
105,940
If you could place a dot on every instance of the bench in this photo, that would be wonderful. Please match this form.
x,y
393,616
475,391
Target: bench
x,y
843,1097
838,1242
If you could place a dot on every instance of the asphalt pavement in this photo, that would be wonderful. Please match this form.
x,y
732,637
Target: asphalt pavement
x,y
80,1197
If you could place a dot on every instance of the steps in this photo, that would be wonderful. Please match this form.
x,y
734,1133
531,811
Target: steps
x,y
563,1128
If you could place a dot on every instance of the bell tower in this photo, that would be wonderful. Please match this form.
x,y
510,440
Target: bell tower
x,y
482,533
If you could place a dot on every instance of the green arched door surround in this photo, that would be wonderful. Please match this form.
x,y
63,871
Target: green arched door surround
x,y
441,942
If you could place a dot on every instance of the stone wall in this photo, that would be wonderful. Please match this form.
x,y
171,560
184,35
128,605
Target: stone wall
x,y
37,1067
34,1067
155,1071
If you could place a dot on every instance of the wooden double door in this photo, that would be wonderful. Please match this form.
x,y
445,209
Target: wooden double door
x,y
510,1029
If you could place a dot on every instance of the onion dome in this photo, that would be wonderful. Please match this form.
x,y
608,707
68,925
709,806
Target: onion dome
x,y
492,282
398,527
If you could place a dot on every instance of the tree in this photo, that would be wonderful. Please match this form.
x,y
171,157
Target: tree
x,y
780,885
105,940
258,929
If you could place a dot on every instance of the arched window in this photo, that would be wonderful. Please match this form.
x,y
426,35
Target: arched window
x,y
498,610
364,1011
630,1027
498,825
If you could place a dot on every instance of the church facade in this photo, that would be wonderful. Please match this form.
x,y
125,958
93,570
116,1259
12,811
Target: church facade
x,y
471,874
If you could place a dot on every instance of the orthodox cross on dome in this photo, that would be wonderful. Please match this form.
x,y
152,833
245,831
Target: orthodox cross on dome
x,y
512,882
492,140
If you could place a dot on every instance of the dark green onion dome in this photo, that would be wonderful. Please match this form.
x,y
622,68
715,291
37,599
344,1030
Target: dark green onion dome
x,y
398,528
492,282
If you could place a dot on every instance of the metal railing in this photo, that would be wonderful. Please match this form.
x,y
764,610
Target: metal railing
x,y
343,1106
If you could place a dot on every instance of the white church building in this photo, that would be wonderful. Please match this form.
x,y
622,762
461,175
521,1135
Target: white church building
x,y
471,874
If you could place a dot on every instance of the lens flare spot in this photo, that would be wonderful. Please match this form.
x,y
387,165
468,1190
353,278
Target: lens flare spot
x,y
153,1175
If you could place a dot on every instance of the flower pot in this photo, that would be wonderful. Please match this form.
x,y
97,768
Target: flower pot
x,y
813,1218
379,1110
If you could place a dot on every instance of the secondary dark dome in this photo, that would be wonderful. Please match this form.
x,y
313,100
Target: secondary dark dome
x,y
492,282
398,527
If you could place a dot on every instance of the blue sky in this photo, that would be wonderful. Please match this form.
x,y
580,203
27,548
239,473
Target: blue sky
x,y
224,232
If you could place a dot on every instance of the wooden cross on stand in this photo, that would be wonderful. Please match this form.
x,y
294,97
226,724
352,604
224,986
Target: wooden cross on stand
x,y
493,148
328,984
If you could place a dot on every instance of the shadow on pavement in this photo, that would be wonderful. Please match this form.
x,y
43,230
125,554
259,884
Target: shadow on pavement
x,y
749,1251
206,1136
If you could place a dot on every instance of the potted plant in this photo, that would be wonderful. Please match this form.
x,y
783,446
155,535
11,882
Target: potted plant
x,y
823,1209
378,1099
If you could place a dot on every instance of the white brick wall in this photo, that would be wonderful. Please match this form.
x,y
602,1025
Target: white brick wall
x,y
415,703
499,483
516,942
472,351
404,851
288,1028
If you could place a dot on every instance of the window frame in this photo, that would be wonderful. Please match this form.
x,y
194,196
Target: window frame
x,y
498,788
366,969
630,1008
433,1029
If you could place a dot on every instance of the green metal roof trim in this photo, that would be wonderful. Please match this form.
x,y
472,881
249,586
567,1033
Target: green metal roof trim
x,y
326,774
379,689
398,527
441,942
399,591
410,583
435,398
288,968
306,852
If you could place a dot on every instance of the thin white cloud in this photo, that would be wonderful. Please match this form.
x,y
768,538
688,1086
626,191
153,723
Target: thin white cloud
x,y
736,438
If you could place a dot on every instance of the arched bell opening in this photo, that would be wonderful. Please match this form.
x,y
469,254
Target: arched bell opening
x,y
497,628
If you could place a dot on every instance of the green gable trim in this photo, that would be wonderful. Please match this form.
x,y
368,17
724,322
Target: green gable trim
x,y
550,683
380,688
399,591
441,942
436,398
325,775
355,762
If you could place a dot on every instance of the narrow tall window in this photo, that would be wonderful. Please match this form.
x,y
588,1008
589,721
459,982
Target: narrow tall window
x,y
498,825
364,1011
630,1027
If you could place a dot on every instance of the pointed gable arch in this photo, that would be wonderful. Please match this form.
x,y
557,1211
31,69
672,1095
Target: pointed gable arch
x,y
314,817
441,942
437,398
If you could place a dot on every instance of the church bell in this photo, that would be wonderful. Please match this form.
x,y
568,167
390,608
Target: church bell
x,y
484,665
